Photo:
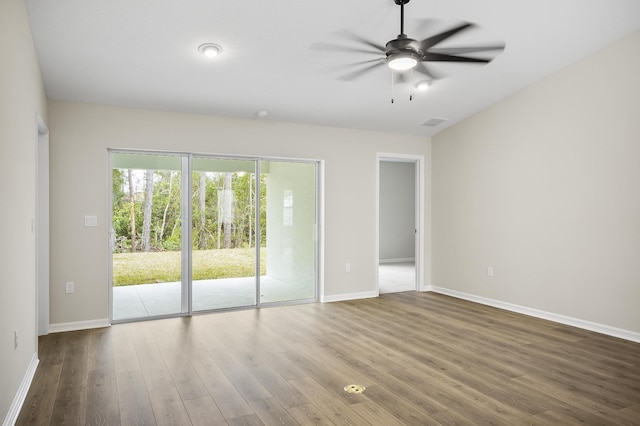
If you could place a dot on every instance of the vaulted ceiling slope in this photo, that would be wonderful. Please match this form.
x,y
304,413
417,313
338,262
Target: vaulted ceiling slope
x,y
144,53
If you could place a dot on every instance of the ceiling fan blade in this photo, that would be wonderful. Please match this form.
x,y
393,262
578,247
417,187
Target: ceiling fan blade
x,y
350,67
330,47
433,40
422,69
359,73
439,57
426,26
459,50
348,34
380,60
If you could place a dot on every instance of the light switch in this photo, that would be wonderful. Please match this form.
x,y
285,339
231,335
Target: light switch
x,y
91,221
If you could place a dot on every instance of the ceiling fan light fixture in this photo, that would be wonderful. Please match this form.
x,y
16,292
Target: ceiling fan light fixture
x,y
210,50
402,61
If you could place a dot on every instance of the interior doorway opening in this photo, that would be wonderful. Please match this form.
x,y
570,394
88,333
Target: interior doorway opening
x,y
399,224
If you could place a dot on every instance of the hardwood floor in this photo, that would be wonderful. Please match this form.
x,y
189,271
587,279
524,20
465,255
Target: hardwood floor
x,y
424,359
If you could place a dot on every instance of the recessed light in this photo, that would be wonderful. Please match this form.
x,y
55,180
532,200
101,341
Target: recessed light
x,y
210,50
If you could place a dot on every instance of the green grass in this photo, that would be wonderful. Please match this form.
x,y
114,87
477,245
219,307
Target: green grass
x,y
152,267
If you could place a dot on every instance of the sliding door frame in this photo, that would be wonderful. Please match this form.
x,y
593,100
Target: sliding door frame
x,y
186,248
186,231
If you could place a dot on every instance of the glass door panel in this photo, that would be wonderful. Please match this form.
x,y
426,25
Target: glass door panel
x,y
223,233
290,243
146,236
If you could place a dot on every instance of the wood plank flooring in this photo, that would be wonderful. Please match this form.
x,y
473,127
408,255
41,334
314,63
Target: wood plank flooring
x,y
424,359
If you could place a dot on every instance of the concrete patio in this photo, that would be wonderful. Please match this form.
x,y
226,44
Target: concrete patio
x,y
150,300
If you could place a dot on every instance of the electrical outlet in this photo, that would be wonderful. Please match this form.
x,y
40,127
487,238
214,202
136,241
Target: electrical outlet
x,y
15,340
347,267
69,288
490,271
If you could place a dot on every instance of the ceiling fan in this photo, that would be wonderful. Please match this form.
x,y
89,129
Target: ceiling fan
x,y
404,53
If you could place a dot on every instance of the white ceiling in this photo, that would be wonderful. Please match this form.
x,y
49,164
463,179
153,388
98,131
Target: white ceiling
x,y
143,53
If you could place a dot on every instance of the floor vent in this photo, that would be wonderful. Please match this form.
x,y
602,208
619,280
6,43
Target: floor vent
x,y
354,389
433,122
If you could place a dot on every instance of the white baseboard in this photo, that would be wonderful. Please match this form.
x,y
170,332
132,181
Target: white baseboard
x,y
562,319
78,325
400,260
349,296
21,396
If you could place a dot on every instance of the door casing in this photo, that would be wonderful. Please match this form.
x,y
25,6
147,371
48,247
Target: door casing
x,y
419,162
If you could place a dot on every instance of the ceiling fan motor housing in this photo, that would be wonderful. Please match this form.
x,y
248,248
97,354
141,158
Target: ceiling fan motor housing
x,y
403,47
402,44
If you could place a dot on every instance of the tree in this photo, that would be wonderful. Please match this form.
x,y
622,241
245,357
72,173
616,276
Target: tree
x,y
132,207
202,232
222,204
227,210
148,202
166,209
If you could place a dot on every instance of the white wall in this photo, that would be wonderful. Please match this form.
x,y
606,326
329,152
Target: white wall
x,y
545,187
21,97
81,134
397,210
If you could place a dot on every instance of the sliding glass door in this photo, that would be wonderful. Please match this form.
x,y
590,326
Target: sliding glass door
x,y
194,233
290,245
146,236
224,233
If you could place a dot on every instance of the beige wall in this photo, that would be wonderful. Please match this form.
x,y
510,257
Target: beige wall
x,y
545,187
81,134
21,97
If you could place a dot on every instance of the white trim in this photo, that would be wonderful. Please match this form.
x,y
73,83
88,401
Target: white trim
x,y
320,231
42,227
422,269
349,296
21,396
562,319
78,325
400,260
111,233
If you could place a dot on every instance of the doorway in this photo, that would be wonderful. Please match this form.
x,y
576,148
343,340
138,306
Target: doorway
x,y
399,223
198,233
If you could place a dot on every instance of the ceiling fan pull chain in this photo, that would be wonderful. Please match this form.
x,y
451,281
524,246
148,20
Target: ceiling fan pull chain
x,y
392,85
410,83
